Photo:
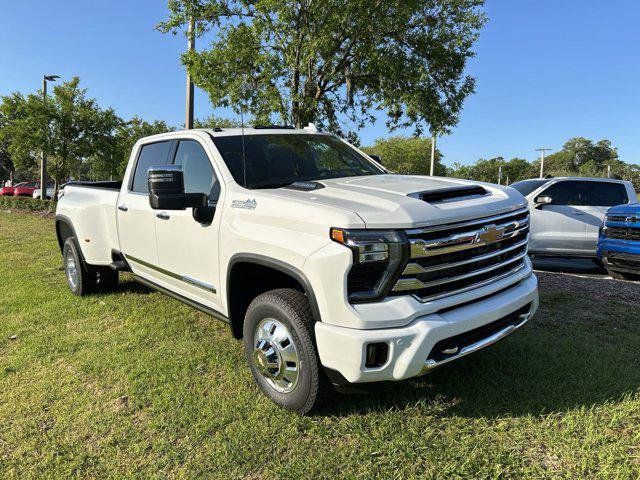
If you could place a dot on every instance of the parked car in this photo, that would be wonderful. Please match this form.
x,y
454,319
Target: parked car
x,y
9,190
25,189
566,213
332,270
619,242
38,191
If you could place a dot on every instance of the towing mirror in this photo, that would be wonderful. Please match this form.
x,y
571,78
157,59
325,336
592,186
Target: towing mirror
x,y
166,190
543,200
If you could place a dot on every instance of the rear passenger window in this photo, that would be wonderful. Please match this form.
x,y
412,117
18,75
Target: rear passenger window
x,y
603,194
198,172
587,194
151,155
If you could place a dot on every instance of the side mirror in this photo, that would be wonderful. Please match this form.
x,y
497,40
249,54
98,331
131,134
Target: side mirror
x,y
377,158
543,200
166,190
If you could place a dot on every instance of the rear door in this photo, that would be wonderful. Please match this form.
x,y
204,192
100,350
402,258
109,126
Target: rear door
x,y
136,219
559,228
187,249
599,196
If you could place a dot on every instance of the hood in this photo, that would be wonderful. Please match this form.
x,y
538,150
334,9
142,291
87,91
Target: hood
x,y
410,201
626,209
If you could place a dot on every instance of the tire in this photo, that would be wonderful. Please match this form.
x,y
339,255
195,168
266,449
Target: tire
x,y
623,276
107,279
278,334
80,277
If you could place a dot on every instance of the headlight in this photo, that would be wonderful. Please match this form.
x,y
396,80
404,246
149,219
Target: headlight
x,y
379,256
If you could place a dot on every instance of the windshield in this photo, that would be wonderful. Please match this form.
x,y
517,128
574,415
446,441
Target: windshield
x,y
525,187
274,160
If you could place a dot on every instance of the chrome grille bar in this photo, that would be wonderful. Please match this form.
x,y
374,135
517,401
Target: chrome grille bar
x,y
416,268
462,241
415,284
471,223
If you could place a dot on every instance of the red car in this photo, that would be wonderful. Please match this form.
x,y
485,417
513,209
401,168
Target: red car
x,y
8,191
25,189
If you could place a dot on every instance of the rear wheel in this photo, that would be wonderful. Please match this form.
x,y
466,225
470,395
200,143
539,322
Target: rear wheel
x,y
80,277
280,349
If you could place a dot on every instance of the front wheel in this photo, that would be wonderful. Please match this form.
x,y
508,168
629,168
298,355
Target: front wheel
x,y
280,349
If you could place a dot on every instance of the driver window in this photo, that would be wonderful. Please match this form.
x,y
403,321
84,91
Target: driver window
x,y
199,176
564,193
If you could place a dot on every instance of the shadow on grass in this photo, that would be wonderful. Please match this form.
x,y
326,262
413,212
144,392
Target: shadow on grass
x,y
572,354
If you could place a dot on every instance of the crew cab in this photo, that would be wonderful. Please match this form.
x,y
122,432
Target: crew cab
x,y
333,271
567,212
619,242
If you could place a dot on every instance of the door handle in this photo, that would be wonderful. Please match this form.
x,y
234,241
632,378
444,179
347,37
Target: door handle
x,y
123,208
163,216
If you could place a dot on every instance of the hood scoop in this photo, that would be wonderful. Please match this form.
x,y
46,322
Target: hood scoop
x,y
305,186
451,194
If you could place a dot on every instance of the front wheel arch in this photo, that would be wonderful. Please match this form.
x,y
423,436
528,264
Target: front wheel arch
x,y
272,274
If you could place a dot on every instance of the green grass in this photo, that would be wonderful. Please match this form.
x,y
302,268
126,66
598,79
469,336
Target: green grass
x,y
135,384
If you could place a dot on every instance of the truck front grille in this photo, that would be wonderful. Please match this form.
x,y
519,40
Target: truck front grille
x,y
454,258
624,233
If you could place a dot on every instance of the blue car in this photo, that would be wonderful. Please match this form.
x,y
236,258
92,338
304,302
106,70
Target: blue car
x,y
619,242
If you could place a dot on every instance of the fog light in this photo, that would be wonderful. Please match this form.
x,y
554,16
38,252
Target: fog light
x,y
377,354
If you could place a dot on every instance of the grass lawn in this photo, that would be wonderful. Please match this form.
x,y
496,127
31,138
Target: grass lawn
x,y
135,384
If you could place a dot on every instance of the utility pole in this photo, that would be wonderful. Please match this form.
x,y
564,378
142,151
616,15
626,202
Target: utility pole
x,y
500,175
542,151
43,165
433,154
608,171
188,124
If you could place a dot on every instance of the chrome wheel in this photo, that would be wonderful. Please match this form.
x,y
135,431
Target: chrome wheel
x,y
72,270
275,355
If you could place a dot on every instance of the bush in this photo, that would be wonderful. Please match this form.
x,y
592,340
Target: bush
x,y
26,203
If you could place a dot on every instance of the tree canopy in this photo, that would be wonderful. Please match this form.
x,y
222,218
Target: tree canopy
x,y
406,155
334,62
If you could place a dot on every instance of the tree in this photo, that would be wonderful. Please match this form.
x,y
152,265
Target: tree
x,y
406,155
217,122
332,62
65,126
113,150
487,170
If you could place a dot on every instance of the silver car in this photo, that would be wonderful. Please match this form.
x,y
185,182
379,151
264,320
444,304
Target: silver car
x,y
567,212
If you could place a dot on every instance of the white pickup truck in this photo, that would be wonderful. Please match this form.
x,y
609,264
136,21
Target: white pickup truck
x,y
333,270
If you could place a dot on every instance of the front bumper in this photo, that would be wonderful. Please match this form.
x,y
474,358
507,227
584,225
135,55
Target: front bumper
x,y
411,347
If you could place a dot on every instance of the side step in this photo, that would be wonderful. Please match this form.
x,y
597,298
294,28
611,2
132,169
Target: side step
x,y
119,263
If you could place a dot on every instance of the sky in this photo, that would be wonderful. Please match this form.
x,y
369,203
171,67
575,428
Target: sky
x,y
546,70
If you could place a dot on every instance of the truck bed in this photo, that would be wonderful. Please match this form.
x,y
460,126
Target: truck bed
x,y
91,208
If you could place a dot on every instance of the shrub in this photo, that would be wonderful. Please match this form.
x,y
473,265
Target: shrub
x,y
27,203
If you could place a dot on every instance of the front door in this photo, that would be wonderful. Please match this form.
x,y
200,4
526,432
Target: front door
x,y
136,219
187,249
559,228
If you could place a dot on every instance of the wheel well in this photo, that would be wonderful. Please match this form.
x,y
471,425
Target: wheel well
x,y
63,231
247,280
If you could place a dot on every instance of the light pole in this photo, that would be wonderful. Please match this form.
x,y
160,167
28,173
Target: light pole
x,y
43,166
433,155
188,124
542,150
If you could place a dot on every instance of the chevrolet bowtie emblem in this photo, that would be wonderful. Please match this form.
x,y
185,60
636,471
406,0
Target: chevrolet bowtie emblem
x,y
489,234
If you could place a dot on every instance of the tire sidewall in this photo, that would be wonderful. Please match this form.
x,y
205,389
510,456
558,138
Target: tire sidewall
x,y
82,286
300,395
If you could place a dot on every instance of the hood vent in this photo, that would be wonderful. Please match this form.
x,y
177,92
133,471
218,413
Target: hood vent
x,y
451,194
305,186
